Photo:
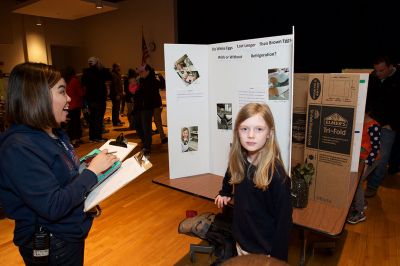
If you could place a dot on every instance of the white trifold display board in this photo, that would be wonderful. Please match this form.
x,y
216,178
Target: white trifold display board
x,y
207,82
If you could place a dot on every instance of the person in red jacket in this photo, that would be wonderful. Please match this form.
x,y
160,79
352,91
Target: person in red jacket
x,y
76,92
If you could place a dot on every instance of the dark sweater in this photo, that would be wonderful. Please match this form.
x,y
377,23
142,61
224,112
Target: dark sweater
x,y
148,97
382,100
40,184
262,220
94,80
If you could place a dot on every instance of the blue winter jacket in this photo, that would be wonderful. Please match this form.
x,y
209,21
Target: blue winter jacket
x,y
40,184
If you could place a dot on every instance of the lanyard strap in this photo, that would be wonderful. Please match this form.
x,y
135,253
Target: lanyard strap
x,y
69,151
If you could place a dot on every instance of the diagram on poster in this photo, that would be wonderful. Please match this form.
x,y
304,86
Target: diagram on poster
x,y
207,86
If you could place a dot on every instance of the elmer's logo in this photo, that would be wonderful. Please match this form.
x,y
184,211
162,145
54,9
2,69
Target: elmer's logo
x,y
336,120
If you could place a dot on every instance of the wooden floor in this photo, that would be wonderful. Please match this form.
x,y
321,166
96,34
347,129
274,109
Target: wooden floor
x,y
139,224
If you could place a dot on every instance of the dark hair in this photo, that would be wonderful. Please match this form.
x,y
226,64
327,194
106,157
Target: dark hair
x,y
151,71
115,66
382,59
132,73
68,73
148,67
29,99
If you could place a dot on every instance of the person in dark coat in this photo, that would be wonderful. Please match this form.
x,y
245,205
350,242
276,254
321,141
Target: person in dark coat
x,y
94,79
147,97
382,105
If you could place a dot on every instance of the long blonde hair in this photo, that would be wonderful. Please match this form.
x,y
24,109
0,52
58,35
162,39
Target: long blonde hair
x,y
267,158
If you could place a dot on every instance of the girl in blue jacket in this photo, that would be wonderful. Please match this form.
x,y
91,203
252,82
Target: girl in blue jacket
x,y
40,184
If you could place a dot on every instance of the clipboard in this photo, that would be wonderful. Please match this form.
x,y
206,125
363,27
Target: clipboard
x,y
129,170
119,151
85,161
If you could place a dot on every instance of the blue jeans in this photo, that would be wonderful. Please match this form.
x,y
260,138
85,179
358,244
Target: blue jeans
x,y
61,253
387,139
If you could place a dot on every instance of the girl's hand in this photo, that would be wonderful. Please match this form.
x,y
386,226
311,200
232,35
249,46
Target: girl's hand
x,y
220,201
102,162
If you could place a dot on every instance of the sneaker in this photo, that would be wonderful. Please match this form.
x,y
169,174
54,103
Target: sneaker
x,y
370,192
356,217
164,140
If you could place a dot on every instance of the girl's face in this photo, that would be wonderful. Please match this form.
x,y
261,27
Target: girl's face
x,y
253,133
60,101
185,134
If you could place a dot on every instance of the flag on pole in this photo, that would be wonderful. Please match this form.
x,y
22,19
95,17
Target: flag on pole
x,y
145,51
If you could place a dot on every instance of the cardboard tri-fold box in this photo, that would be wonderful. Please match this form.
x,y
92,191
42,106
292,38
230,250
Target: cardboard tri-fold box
x,y
335,113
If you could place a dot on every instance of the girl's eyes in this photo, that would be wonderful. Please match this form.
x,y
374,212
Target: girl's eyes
x,y
257,129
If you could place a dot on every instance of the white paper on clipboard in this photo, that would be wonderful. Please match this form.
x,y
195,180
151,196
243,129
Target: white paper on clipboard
x,y
120,152
129,170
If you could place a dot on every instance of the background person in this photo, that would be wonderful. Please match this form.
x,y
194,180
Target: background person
x,y
158,110
76,92
131,87
94,79
147,97
262,210
382,105
40,185
116,94
370,145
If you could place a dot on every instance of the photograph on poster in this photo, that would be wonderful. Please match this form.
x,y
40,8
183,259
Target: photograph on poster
x,y
185,70
278,83
224,116
189,138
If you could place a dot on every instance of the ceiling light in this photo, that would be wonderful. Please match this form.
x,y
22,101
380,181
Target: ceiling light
x,y
38,22
99,4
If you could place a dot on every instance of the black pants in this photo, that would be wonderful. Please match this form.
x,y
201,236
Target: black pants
x,y
74,128
96,116
115,111
61,253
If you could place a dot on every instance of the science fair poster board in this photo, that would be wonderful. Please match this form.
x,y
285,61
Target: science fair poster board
x,y
206,87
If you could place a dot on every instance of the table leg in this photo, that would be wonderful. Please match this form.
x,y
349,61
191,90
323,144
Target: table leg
x,y
303,246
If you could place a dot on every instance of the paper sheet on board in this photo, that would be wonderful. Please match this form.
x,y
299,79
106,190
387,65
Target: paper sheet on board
x,y
120,152
130,169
